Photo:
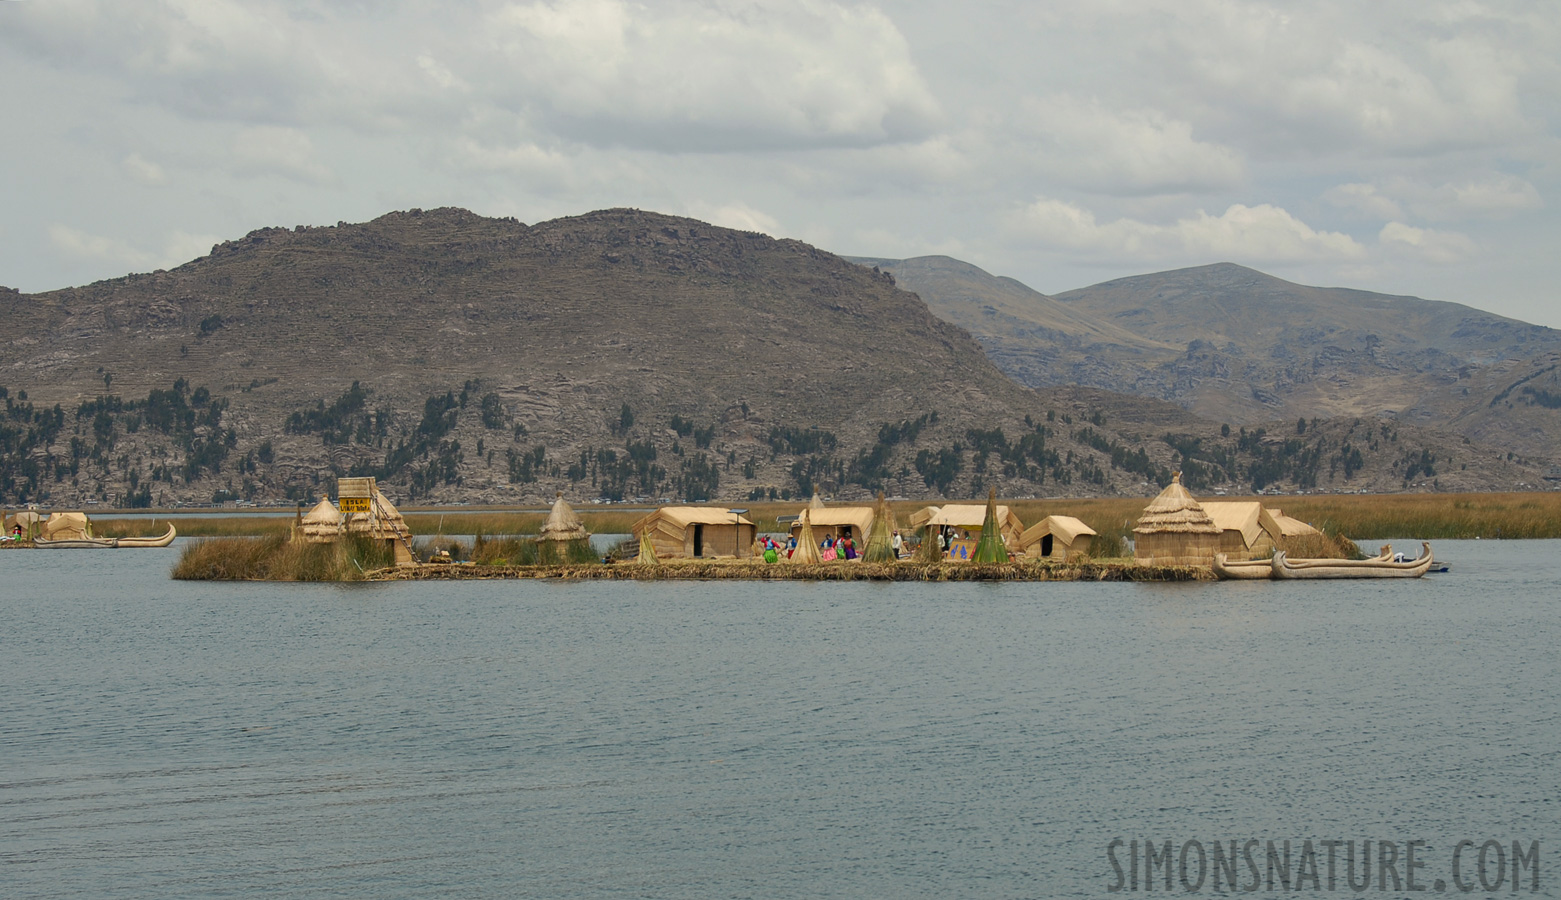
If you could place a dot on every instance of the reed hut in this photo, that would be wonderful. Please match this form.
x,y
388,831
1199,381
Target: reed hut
x,y
683,532
837,522
969,517
922,516
563,523
369,512
1056,537
817,502
1290,527
322,525
1247,530
30,521
66,526
1175,531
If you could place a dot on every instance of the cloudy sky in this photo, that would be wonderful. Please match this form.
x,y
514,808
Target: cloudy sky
x,y
1406,147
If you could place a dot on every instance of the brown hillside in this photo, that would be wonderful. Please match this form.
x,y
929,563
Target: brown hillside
x,y
621,353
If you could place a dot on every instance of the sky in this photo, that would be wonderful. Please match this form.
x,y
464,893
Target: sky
x,y
1403,147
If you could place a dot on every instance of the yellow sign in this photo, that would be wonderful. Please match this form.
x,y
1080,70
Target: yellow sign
x,y
959,551
350,505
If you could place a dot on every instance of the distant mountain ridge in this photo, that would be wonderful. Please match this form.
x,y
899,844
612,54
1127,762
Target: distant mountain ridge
x,y
1234,344
618,354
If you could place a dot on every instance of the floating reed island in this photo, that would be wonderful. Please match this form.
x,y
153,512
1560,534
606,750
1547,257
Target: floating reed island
x,y
1177,539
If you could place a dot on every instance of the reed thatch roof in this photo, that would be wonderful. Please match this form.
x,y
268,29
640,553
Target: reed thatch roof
x,y
66,526
858,517
1175,512
692,515
563,523
1290,526
325,521
922,516
1065,527
1247,517
817,502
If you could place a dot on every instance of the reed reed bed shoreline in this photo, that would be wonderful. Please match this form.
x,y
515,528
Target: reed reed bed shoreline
x,y
731,570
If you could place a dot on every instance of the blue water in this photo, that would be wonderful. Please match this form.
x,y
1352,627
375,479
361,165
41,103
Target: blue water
x,y
519,739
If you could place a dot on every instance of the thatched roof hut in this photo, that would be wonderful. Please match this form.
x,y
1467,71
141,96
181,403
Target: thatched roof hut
x,y
1056,537
969,517
382,522
66,526
323,524
29,520
1247,530
922,516
1289,526
697,531
837,521
1175,531
817,502
563,523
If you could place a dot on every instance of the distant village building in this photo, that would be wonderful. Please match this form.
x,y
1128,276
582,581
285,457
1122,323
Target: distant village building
x,y
563,523
682,532
324,524
966,518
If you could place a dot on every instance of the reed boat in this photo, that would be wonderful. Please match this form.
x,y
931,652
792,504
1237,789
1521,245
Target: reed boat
x,y
1242,569
1258,569
160,541
107,543
1285,568
76,544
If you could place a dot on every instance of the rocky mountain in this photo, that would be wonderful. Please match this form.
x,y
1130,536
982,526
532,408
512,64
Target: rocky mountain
x,y
619,354
1239,346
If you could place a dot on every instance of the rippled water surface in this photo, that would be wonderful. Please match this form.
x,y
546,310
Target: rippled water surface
x,y
509,739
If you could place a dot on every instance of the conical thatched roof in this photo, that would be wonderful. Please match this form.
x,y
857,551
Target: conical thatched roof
x,y
807,548
989,548
1175,512
563,523
817,502
880,540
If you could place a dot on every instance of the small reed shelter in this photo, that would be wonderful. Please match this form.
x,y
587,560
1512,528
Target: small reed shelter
x,y
1290,527
66,526
685,532
322,525
1247,530
1056,537
25,524
1175,531
969,517
838,521
563,524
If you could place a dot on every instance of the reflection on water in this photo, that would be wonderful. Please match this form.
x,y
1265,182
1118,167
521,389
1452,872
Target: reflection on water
x,y
168,739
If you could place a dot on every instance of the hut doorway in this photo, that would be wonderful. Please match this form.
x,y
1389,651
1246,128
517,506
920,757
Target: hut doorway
x,y
1046,545
699,540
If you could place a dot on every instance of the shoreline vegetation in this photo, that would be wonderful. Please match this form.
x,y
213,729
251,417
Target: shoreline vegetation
x,y
1362,517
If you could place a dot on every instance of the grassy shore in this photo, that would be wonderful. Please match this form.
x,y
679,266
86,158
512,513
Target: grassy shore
x,y
275,558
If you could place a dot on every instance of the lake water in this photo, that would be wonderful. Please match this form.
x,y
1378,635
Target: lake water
x,y
689,740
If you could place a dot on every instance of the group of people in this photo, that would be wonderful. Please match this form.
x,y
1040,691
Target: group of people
x,y
831,548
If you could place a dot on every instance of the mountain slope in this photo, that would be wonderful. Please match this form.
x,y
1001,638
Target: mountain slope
x,y
619,354
1237,345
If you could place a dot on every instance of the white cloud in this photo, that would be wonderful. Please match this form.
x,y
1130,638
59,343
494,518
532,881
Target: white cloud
x,y
1364,198
709,76
1123,151
1260,233
273,150
143,170
739,216
179,247
1439,247
1480,195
